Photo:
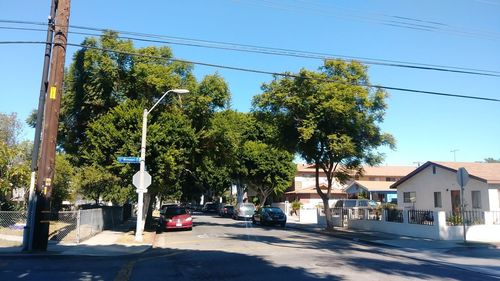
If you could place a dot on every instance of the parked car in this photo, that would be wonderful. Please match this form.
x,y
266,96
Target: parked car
x,y
356,203
210,207
243,211
355,208
165,206
226,210
175,217
269,216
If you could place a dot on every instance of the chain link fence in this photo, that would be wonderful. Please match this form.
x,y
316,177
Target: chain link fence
x,y
65,226
12,225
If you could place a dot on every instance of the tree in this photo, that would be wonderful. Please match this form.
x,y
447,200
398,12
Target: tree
x,y
330,118
98,81
225,140
64,181
270,170
14,159
95,183
10,128
491,160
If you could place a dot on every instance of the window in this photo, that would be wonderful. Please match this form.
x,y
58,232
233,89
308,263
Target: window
x,y
390,179
409,197
476,199
437,200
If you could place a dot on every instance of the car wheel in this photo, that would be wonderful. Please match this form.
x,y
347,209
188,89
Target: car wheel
x,y
282,224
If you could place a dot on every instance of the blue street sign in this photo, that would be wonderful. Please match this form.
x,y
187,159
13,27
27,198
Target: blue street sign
x,y
129,159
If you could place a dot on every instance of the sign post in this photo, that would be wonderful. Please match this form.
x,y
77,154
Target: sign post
x,y
462,179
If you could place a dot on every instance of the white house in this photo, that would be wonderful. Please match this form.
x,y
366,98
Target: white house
x,y
434,186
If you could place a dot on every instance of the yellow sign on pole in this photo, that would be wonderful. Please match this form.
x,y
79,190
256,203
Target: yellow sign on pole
x,y
53,91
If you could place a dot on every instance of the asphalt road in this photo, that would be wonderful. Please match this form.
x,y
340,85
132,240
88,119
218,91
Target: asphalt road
x,y
224,249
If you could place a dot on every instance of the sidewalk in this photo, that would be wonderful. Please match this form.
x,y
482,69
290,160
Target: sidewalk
x,y
117,242
472,256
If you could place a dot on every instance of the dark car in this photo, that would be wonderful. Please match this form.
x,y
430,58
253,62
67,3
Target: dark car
x,y
175,217
210,207
269,216
226,211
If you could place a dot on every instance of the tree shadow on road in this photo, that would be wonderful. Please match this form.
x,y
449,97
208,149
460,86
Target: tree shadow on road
x,y
216,265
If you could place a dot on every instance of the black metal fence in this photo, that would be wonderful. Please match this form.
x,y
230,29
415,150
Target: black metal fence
x,y
469,218
424,217
393,215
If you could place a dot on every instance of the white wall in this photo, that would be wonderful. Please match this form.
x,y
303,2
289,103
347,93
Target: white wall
x,y
494,195
438,231
426,183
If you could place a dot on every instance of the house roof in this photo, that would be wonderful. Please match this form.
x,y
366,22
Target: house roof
x,y
396,171
485,172
373,185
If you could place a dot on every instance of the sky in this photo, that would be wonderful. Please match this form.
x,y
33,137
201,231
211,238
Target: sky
x,y
447,33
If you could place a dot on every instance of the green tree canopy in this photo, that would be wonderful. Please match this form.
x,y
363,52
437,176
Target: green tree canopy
x,y
270,170
330,117
98,81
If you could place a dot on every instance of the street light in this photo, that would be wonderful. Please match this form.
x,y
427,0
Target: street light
x,y
142,171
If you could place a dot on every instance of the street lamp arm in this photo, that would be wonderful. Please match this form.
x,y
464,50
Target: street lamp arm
x,y
142,168
178,91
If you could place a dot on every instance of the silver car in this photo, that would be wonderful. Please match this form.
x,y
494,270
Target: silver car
x,y
243,211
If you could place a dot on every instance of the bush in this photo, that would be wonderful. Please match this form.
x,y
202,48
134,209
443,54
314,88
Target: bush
x,y
454,220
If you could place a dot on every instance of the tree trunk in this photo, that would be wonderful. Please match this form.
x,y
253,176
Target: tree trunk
x,y
328,214
239,191
149,222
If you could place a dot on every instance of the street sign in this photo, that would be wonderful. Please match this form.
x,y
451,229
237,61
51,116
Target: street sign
x,y
129,159
462,177
137,178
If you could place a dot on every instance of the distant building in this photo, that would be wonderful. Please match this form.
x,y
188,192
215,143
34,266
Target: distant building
x,y
304,185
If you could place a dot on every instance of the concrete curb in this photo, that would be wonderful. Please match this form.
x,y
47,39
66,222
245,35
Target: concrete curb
x,y
476,269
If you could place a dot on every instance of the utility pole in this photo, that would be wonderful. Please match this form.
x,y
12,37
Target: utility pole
x,y
50,124
28,230
454,151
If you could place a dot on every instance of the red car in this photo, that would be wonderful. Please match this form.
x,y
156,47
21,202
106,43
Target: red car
x,y
176,217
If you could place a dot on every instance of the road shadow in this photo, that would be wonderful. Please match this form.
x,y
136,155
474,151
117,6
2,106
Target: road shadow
x,y
215,265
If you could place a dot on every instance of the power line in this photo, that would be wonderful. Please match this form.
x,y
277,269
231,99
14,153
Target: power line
x,y
275,51
265,72
336,11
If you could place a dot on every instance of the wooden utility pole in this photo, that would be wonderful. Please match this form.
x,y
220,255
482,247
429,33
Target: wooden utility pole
x,y
50,125
28,230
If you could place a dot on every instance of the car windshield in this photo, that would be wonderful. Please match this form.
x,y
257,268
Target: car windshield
x,y
349,203
175,211
247,207
363,203
273,210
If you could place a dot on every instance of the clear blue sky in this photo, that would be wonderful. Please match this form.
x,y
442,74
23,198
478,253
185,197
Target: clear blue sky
x,y
464,33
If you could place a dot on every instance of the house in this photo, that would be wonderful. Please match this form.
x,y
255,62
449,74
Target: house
x,y
310,196
304,190
434,186
375,190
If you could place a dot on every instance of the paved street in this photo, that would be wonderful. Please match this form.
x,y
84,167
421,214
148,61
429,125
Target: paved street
x,y
224,249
